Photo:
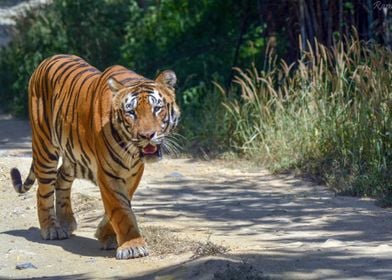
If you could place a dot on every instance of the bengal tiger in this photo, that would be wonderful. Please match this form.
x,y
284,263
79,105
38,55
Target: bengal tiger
x,y
104,126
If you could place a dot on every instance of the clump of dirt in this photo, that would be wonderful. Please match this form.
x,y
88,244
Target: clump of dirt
x,y
162,241
209,248
243,271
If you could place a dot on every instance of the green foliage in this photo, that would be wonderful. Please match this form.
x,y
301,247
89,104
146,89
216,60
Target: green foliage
x,y
329,115
203,124
197,39
194,38
89,28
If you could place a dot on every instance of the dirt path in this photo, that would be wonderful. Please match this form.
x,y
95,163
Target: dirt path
x,y
276,227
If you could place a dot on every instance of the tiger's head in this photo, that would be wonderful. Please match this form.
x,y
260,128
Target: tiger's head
x,y
146,112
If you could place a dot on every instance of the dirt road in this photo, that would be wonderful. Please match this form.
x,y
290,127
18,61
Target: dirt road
x,y
276,227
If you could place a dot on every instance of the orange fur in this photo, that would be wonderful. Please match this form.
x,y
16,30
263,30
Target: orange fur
x,y
103,125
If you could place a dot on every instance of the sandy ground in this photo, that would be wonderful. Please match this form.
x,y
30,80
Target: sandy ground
x,y
276,227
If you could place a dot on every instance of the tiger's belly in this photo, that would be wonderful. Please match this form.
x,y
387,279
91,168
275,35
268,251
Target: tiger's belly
x,y
75,147
79,165
85,172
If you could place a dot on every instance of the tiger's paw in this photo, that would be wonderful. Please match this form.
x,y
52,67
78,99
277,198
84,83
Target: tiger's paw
x,y
54,233
68,224
106,237
109,243
135,248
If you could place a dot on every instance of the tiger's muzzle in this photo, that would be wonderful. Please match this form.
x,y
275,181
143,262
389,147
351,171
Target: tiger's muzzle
x,y
151,150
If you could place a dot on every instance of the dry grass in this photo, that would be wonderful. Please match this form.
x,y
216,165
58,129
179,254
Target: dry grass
x,y
242,271
163,241
209,248
328,114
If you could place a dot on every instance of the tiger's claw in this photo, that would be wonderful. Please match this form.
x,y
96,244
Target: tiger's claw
x,y
131,253
54,233
132,249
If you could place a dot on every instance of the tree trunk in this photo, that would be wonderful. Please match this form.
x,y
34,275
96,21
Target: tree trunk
x,y
244,27
386,28
302,24
340,18
369,9
328,23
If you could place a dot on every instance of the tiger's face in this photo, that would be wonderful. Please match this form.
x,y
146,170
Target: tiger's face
x,y
146,112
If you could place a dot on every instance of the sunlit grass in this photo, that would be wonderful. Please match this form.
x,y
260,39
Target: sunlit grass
x,y
330,114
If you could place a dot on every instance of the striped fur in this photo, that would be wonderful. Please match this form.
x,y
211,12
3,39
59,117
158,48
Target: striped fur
x,y
104,125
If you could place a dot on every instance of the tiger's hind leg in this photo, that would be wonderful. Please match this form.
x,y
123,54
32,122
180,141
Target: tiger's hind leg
x,y
106,235
46,172
64,213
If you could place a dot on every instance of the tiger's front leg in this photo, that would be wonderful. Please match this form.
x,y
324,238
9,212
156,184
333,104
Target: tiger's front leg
x,y
122,220
105,233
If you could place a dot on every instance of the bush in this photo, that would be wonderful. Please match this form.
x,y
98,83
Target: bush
x,y
197,39
92,29
329,114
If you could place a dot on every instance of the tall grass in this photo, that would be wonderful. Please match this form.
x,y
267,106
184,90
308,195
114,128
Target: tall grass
x,y
329,114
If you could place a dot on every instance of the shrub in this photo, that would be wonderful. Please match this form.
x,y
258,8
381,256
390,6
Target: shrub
x,y
329,114
90,28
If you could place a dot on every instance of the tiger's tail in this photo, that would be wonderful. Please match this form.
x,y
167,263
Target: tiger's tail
x,y
17,180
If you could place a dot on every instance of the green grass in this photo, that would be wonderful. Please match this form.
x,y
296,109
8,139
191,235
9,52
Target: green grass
x,y
329,114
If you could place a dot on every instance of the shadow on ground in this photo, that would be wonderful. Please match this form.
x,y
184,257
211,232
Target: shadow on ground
x,y
297,266
251,204
283,227
76,244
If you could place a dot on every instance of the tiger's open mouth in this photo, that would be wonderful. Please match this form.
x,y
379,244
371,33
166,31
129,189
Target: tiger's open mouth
x,y
151,151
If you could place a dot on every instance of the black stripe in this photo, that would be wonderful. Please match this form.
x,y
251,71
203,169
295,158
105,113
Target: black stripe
x,y
63,189
84,154
62,176
45,181
123,196
71,88
29,182
70,152
57,76
111,175
135,173
90,175
135,163
46,196
79,91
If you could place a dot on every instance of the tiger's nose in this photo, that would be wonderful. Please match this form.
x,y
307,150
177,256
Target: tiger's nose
x,y
147,136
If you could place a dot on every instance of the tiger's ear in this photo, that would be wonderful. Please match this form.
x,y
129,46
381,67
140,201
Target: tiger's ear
x,y
168,78
115,86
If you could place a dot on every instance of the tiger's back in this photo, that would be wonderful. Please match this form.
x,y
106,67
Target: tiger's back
x,y
61,95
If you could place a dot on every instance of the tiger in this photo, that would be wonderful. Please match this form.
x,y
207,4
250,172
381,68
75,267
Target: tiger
x,y
99,126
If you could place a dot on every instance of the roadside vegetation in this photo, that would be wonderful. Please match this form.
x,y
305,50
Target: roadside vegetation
x,y
329,114
322,108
